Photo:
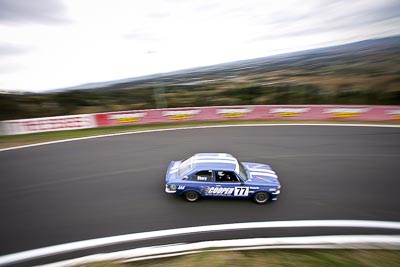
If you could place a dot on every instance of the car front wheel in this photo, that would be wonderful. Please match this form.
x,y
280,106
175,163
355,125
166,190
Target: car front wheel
x,y
261,197
192,196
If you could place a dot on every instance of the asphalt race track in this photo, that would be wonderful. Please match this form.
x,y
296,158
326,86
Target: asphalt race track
x,y
109,186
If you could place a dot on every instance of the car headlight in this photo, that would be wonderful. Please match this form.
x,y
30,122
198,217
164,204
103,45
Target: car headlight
x,y
172,187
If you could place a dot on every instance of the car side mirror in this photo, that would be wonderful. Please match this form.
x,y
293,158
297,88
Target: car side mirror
x,y
185,178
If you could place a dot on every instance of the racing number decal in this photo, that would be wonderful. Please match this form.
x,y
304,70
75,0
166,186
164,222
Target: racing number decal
x,y
241,191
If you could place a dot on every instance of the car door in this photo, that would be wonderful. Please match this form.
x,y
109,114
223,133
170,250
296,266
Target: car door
x,y
227,184
201,181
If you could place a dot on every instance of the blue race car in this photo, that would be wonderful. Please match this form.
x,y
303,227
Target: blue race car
x,y
221,175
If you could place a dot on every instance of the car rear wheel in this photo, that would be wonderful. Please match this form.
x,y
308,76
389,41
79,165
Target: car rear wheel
x,y
261,197
192,196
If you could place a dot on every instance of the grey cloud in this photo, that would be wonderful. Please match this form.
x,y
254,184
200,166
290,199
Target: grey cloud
x,y
32,11
7,49
342,12
207,7
9,68
386,12
329,17
142,36
158,15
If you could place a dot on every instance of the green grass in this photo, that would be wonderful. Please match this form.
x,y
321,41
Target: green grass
x,y
25,139
274,258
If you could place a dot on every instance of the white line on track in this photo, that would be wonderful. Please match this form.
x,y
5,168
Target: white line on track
x,y
199,127
112,240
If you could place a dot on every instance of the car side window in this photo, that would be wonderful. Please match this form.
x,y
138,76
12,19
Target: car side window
x,y
226,177
202,176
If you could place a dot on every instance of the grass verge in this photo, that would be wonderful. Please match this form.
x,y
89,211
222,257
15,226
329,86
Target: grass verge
x,y
26,139
274,258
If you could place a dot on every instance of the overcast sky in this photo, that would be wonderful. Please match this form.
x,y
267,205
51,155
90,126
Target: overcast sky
x,y
49,44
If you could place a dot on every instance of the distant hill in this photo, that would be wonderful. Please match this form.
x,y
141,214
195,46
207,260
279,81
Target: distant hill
x,y
366,72
189,75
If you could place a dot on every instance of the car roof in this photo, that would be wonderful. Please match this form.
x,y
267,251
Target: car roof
x,y
215,161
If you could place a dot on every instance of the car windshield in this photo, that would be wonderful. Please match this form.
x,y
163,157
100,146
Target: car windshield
x,y
185,167
242,172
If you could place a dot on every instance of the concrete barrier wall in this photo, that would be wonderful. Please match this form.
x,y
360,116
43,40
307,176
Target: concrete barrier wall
x,y
49,124
261,112
264,112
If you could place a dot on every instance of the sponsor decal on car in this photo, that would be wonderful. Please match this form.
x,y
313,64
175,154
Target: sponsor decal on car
x,y
339,113
394,113
201,178
233,112
288,112
127,117
181,187
227,191
180,114
241,191
219,190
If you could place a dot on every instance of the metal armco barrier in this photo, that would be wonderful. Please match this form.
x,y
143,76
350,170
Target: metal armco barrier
x,y
222,113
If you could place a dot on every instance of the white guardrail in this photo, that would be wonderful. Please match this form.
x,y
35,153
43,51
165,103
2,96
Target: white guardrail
x,y
304,242
342,241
